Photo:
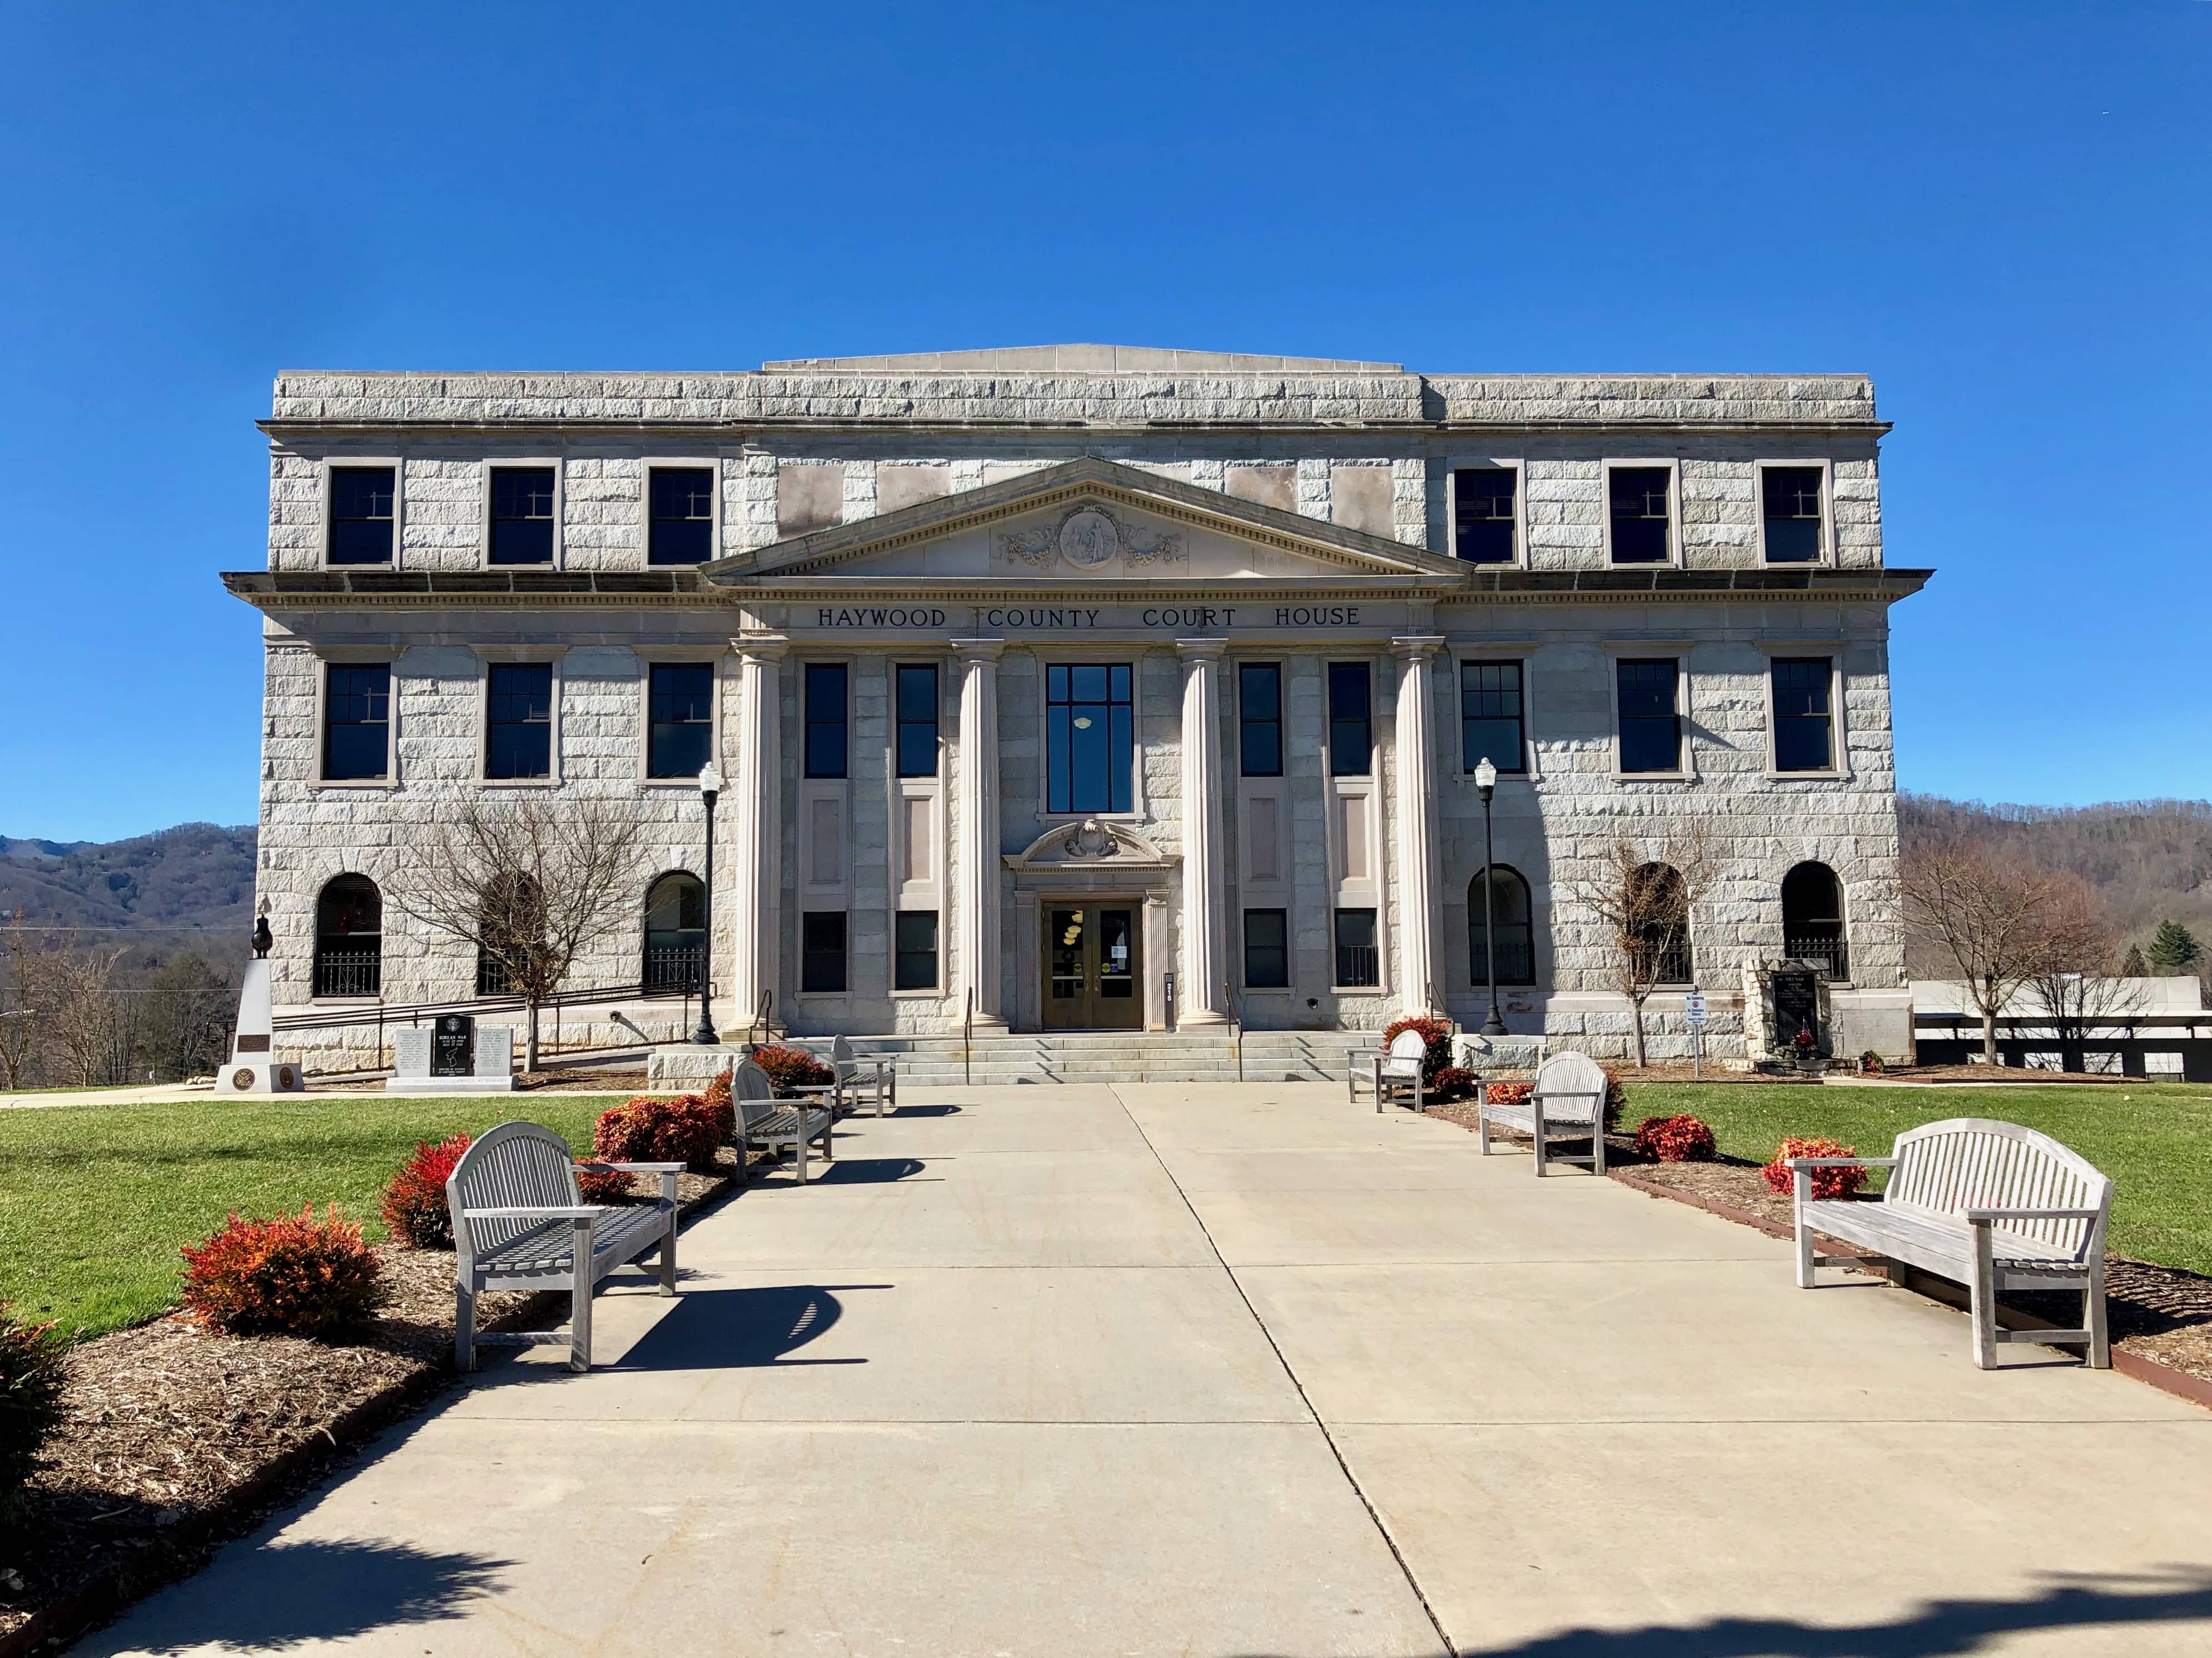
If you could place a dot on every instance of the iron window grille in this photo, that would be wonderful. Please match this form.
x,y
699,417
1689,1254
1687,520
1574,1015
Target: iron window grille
x,y
1515,927
1358,961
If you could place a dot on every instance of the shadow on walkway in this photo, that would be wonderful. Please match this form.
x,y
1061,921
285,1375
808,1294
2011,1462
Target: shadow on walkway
x,y
922,1110
871,1171
742,1329
327,1591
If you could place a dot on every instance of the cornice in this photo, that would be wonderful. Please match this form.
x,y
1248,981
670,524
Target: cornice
x,y
292,428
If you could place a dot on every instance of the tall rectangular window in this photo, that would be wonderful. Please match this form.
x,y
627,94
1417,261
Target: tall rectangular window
x,y
1789,504
913,950
1350,718
1260,717
521,515
917,721
1267,949
821,952
1640,500
680,718
1484,513
680,515
519,720
1490,725
362,500
1804,724
826,730
1090,737
1650,717
1358,960
356,721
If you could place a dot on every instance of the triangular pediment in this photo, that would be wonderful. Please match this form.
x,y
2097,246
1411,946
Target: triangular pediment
x,y
1088,521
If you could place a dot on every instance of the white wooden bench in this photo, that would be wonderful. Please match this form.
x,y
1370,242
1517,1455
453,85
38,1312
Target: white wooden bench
x,y
520,1223
850,1075
771,1123
1392,1072
1992,1206
1565,1102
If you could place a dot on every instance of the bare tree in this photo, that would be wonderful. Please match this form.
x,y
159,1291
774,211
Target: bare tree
x,y
95,1025
528,881
1992,914
188,1007
21,993
1644,894
2073,981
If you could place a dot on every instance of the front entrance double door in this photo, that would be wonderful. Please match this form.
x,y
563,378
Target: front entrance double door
x,y
1092,969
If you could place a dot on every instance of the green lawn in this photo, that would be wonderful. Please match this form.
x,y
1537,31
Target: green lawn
x,y
2155,1140
96,1201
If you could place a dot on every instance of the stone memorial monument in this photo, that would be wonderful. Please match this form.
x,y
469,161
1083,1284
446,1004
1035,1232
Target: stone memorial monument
x,y
253,1067
453,1055
1780,999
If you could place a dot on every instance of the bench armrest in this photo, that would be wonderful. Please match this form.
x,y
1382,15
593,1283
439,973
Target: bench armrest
x,y
792,1089
1984,1216
596,1165
1842,1163
587,1211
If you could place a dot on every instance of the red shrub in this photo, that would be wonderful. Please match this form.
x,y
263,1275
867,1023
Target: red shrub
x,y
415,1202
1674,1139
601,1185
1437,1033
1451,1082
31,1378
647,1130
1826,1182
1509,1093
722,1107
791,1068
293,1276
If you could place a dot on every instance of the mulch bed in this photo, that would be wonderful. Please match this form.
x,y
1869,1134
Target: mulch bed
x,y
2162,1314
176,1439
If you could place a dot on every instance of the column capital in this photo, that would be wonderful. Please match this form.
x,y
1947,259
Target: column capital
x,y
1416,647
1200,650
978,650
760,647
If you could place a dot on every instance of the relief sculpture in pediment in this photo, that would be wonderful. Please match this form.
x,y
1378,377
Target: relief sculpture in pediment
x,y
1090,537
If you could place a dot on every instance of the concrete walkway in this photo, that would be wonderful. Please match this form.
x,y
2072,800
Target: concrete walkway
x,y
1208,1370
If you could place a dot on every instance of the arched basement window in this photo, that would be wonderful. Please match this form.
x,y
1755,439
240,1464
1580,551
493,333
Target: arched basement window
x,y
675,934
1662,930
1813,918
1516,935
349,937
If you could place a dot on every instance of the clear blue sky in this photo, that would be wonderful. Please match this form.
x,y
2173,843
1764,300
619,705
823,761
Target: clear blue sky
x,y
1998,210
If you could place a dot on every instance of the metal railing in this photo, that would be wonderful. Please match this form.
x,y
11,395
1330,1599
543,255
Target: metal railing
x,y
1358,964
348,972
1235,1026
1826,950
968,1041
674,970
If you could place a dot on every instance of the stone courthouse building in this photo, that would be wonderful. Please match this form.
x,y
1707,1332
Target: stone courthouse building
x,y
1039,675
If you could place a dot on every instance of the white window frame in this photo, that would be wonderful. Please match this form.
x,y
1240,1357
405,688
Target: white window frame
x,y
327,657
1840,770
1826,559
647,657
1051,654
507,463
843,906
326,519
935,991
1672,465
1501,651
1499,464
1655,651
525,655
711,464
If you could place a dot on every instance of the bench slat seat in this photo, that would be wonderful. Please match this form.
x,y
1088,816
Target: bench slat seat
x,y
1992,1206
1565,1102
1392,1072
772,1124
546,1247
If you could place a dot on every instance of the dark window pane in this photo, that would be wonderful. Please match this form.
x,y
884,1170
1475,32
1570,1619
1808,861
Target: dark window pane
x,y
1259,717
356,721
1267,949
917,720
1639,503
1090,738
1804,731
1490,716
825,720
361,502
681,719
1483,508
1791,502
1357,960
1651,724
675,934
822,951
522,515
681,515
1351,723
518,706
1516,940
915,950
348,938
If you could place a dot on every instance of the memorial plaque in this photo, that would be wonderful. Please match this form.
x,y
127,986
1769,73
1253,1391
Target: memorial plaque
x,y
454,1046
1796,1006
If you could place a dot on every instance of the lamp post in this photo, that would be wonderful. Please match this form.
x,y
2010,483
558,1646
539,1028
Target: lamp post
x,y
1486,780
703,1033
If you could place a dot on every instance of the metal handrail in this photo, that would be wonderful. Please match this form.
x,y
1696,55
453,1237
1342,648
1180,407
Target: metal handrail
x,y
762,1026
968,1041
1236,1027
395,1012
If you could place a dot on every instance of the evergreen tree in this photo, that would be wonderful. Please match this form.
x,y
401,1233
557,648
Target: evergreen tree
x,y
2173,950
2134,967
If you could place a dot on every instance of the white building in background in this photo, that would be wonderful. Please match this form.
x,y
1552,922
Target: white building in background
x,y
1040,675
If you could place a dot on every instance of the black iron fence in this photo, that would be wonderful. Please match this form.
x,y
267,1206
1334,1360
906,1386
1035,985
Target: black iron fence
x,y
1825,951
673,971
348,972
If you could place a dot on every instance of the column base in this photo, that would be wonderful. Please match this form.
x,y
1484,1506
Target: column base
x,y
1200,1018
991,1024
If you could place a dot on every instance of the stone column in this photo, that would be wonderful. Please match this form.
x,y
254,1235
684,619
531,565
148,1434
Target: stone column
x,y
754,859
976,900
1418,991
1198,992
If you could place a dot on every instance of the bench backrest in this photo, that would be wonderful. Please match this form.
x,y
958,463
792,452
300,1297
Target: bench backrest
x,y
844,1064
516,1165
1408,1048
753,1093
1970,1162
1572,1087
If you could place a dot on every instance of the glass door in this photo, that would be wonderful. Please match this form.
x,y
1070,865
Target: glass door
x,y
1092,969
